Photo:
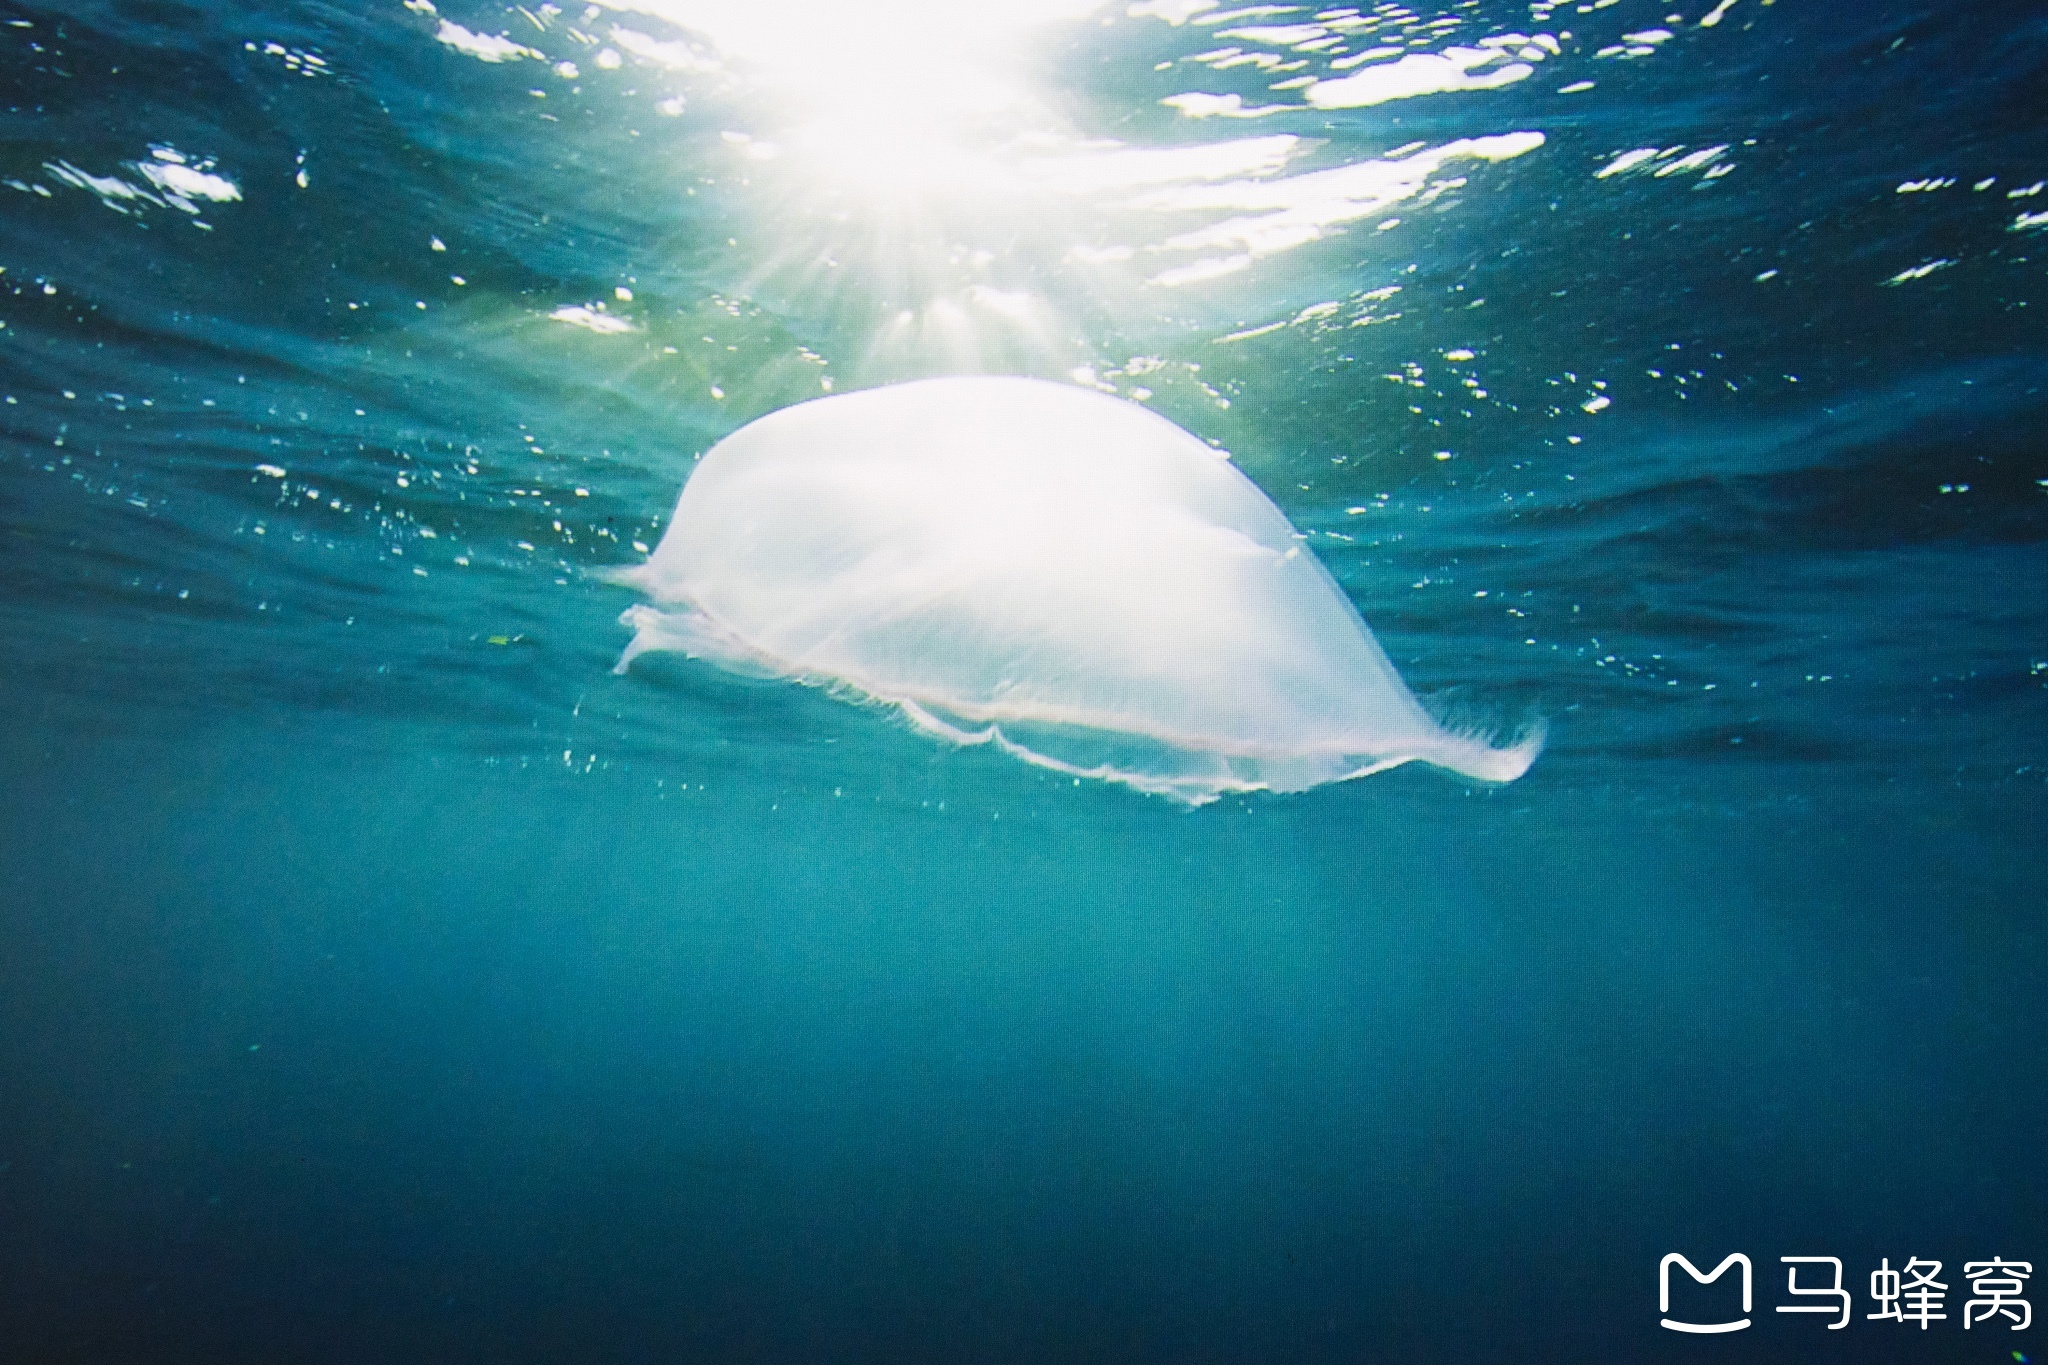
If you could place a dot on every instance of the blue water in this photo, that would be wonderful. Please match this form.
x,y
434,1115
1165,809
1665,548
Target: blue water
x,y
384,979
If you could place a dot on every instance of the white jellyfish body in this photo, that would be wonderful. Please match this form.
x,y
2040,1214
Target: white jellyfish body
x,y
1062,573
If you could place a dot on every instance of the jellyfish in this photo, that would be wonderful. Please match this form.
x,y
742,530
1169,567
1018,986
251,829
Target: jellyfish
x,y
1063,574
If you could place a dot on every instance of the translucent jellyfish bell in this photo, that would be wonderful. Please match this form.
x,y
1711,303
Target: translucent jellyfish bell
x,y
1061,573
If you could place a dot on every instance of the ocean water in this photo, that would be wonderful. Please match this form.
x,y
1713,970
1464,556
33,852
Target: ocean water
x,y
385,979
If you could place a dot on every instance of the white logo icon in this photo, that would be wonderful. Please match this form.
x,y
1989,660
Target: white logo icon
x,y
1664,1291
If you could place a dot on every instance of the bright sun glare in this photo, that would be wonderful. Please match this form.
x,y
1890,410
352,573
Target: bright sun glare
x,y
893,144
891,95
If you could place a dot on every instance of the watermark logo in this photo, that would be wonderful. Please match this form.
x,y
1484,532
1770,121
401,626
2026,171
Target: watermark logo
x,y
1664,1292
1911,1295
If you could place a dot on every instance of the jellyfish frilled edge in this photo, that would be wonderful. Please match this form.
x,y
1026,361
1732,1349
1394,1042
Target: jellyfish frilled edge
x,y
1049,569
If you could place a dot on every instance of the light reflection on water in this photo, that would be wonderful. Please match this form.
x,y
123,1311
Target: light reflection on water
x,y
916,173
